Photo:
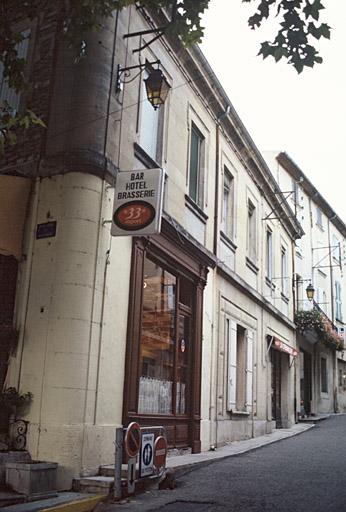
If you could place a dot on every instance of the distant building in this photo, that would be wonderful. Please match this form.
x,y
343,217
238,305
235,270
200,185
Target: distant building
x,y
319,260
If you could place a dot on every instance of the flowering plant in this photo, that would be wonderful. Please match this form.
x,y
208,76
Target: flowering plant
x,y
314,320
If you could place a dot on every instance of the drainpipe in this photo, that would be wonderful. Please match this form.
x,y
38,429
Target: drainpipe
x,y
335,361
295,307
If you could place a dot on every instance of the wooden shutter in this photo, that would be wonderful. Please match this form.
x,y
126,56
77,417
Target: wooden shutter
x,y
249,369
231,332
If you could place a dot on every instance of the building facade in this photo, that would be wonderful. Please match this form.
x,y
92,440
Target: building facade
x,y
191,328
319,260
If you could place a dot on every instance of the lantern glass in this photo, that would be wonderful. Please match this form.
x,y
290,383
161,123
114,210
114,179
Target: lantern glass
x,y
310,292
157,88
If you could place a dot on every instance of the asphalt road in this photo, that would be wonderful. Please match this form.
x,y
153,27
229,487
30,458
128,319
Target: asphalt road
x,y
305,473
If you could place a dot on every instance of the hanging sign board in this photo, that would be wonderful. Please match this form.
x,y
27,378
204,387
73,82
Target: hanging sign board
x,y
147,455
284,347
138,203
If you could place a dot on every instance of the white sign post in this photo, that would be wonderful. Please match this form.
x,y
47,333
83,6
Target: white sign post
x,y
147,455
138,202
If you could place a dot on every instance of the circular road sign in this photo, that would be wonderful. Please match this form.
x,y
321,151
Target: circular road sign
x,y
160,452
132,441
134,215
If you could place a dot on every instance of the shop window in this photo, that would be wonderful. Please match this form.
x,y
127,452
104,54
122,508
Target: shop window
x,y
324,375
228,203
7,94
196,166
240,346
251,231
165,342
151,126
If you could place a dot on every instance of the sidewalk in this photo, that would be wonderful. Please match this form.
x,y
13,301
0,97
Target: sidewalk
x,y
182,464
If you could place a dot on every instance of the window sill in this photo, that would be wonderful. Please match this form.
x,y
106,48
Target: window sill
x,y
227,241
143,156
285,298
197,210
239,413
251,265
270,283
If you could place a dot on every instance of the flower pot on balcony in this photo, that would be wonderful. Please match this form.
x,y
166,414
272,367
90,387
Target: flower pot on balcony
x,y
35,479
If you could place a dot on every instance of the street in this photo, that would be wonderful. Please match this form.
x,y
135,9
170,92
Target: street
x,y
304,473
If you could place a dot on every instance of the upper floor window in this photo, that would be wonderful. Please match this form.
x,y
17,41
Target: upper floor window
x,y
336,249
251,230
269,254
228,203
151,126
319,217
338,301
295,192
7,94
284,271
196,166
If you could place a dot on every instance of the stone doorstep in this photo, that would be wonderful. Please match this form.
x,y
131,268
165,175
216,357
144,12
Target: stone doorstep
x,y
93,484
10,498
64,502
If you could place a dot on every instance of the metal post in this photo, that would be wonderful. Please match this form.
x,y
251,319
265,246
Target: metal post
x,y
118,462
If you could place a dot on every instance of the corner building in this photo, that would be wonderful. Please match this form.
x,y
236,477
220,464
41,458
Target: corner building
x,y
191,328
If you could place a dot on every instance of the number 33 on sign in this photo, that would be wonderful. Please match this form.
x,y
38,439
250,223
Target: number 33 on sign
x,y
138,203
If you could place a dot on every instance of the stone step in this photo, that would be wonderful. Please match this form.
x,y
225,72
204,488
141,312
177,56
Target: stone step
x,y
108,470
93,484
10,498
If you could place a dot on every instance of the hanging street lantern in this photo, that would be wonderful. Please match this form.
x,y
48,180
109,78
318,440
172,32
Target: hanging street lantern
x,y
310,292
157,88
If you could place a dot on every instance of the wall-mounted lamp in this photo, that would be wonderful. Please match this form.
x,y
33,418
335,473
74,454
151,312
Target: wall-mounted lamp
x,y
156,85
310,292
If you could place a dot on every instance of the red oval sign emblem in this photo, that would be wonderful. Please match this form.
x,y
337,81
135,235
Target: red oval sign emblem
x,y
134,215
132,441
160,452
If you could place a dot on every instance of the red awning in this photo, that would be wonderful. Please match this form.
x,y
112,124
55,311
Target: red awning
x,y
285,347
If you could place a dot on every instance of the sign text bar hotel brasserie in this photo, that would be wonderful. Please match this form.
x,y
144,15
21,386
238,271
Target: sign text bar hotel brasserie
x,y
138,202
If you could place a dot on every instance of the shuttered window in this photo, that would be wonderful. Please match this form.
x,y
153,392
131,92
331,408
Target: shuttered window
x,y
240,366
7,94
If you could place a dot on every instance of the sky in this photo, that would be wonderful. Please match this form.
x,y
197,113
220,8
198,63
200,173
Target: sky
x,y
303,114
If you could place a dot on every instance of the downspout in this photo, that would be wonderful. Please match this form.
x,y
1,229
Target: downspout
x,y
295,308
216,331
335,361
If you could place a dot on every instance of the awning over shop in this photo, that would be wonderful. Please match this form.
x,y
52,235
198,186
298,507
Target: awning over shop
x,y
283,346
14,193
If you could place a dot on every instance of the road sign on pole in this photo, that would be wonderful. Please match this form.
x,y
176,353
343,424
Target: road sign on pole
x,y
147,455
132,440
160,452
131,475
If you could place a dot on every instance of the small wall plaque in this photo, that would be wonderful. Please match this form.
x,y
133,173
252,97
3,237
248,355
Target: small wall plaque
x,y
46,230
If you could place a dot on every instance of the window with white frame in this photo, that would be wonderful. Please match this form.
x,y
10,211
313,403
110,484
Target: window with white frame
x,y
319,217
284,271
338,301
196,165
8,96
240,349
251,231
336,252
324,375
295,192
269,254
150,126
228,203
